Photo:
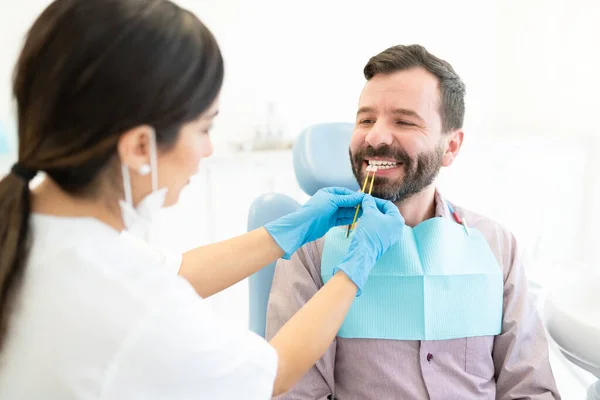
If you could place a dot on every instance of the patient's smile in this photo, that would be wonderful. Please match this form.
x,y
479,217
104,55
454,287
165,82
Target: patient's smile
x,y
385,167
383,164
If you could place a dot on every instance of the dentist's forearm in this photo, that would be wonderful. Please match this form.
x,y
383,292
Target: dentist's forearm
x,y
307,335
215,267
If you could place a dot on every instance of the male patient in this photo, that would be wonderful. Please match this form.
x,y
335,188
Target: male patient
x,y
410,115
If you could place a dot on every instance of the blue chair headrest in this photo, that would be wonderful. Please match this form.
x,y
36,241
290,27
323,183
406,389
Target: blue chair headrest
x,y
321,157
4,148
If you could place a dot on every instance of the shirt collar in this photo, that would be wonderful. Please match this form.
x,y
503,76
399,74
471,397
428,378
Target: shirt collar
x,y
441,206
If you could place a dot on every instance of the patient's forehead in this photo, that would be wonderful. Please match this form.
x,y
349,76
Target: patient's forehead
x,y
414,89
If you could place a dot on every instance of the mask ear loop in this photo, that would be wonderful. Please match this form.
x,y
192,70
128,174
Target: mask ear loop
x,y
153,160
126,184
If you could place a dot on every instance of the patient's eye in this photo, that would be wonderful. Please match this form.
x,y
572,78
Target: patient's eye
x,y
404,123
367,121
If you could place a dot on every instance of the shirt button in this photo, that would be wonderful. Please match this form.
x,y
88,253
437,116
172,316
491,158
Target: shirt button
x,y
429,357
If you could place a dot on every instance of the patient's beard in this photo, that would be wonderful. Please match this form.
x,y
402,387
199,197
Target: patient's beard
x,y
419,172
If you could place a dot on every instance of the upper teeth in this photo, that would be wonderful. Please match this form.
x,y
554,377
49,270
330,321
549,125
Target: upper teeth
x,y
382,163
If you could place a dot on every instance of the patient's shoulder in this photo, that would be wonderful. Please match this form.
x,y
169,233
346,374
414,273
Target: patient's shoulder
x,y
486,225
501,239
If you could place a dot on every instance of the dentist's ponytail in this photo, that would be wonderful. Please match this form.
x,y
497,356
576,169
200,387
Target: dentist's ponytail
x,y
14,242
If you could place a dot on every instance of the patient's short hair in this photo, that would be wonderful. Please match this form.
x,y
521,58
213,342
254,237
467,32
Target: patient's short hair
x,y
452,88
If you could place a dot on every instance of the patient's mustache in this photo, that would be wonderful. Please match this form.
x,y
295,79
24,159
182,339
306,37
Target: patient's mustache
x,y
386,151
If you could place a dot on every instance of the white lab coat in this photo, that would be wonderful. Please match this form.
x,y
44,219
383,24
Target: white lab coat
x,y
98,317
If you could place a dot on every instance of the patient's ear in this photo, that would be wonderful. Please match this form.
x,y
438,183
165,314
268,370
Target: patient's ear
x,y
454,141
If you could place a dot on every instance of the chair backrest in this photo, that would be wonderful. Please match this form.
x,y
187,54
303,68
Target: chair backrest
x,y
321,159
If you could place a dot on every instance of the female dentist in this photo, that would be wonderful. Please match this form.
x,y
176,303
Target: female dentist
x,y
115,99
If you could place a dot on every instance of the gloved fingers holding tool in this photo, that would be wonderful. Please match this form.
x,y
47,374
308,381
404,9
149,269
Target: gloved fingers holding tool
x,y
328,208
380,227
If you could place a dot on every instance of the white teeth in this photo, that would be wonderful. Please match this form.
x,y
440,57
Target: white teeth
x,y
383,163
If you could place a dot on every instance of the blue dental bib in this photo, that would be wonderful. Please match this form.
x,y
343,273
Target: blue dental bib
x,y
441,281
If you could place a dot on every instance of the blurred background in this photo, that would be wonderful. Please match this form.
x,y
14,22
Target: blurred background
x,y
531,158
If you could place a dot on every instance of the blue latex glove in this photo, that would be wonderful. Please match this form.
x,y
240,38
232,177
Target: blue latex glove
x,y
380,226
327,208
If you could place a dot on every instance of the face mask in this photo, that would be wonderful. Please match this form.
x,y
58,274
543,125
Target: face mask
x,y
139,221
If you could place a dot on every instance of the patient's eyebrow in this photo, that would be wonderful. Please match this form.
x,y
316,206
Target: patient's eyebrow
x,y
365,110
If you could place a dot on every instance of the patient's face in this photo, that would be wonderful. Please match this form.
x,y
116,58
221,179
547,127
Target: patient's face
x,y
398,122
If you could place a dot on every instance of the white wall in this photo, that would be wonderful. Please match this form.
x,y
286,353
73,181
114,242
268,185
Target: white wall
x,y
548,84
548,63
530,66
15,19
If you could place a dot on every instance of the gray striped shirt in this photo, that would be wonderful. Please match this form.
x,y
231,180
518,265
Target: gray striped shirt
x,y
511,365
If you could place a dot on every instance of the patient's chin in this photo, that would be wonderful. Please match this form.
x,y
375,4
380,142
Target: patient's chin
x,y
386,193
387,189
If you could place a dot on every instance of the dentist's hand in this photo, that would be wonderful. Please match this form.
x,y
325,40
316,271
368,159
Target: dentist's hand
x,y
327,208
380,227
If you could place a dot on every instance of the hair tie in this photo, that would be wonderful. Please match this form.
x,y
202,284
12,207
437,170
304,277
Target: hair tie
x,y
23,173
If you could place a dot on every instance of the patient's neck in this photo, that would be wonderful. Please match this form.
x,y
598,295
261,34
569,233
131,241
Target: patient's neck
x,y
419,207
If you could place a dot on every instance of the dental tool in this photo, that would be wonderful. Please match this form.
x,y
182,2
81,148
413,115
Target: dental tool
x,y
370,168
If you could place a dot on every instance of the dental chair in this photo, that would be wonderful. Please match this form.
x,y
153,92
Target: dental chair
x,y
320,158
572,318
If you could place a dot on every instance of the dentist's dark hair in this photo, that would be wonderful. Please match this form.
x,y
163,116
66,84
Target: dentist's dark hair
x,y
89,71
452,88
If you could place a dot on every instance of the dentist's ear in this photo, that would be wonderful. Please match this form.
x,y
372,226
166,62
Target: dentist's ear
x,y
134,148
454,142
